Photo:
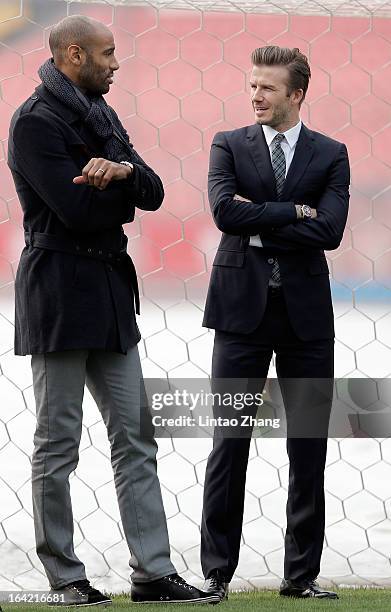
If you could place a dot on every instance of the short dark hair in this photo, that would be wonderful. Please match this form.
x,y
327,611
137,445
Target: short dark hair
x,y
76,30
296,62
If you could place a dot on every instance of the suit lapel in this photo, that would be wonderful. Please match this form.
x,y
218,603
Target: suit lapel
x,y
301,158
260,154
261,157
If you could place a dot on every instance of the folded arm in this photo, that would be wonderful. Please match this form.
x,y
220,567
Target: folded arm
x,y
145,186
326,230
233,216
43,160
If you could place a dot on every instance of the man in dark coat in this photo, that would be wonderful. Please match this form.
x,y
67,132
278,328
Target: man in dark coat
x,y
79,180
279,192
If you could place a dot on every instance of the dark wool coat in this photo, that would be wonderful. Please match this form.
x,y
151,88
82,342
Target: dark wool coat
x,y
75,285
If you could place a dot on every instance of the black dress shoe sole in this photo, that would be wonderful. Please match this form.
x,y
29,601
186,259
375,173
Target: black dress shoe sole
x,y
301,595
213,599
221,597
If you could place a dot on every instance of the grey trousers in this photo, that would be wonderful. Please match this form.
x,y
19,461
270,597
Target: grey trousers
x,y
114,382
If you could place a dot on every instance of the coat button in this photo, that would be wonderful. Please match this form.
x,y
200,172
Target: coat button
x,y
77,247
270,260
100,252
89,250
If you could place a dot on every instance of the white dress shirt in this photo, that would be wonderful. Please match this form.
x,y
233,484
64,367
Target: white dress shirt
x,y
288,146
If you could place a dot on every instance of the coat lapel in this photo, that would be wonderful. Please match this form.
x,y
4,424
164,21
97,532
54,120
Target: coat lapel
x,y
301,158
259,152
65,112
83,136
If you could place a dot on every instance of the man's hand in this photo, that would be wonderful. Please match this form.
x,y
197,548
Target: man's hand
x,y
99,172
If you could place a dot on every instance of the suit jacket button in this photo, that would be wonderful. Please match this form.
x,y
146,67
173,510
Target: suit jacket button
x,y
89,250
270,260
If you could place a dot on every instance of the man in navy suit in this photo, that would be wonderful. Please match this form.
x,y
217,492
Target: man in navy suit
x,y
279,193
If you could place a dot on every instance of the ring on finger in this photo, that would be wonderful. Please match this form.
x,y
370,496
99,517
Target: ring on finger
x,y
100,170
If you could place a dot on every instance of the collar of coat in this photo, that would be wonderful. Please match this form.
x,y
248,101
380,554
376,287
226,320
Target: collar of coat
x,y
67,113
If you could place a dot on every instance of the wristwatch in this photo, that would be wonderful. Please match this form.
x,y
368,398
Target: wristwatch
x,y
305,211
126,163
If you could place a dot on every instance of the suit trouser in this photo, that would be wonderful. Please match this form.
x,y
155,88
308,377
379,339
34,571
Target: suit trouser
x,y
240,356
115,382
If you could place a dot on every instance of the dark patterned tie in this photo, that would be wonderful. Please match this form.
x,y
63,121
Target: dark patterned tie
x,y
279,167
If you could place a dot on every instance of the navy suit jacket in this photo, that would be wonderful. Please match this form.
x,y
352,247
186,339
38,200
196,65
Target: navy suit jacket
x,y
319,175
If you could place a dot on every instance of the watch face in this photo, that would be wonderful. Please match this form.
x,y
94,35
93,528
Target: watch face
x,y
306,210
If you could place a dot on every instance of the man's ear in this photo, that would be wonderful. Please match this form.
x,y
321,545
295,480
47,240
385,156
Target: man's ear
x,y
298,96
75,55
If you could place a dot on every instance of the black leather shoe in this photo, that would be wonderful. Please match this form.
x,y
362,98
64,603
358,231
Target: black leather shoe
x,y
170,589
304,590
217,584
